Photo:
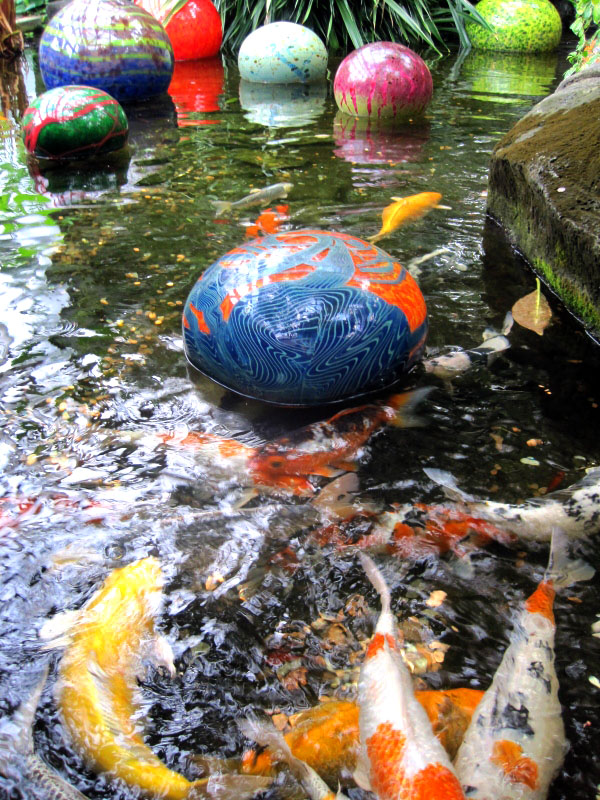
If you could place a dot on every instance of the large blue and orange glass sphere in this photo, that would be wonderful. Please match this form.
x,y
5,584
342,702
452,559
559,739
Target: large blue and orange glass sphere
x,y
305,317
111,45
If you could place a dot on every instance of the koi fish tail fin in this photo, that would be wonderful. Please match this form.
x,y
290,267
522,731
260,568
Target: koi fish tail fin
x,y
404,406
228,787
266,735
221,207
374,575
562,570
21,742
448,484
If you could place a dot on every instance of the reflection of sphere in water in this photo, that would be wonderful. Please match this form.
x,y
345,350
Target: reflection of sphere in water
x,y
282,105
383,80
524,26
527,74
110,44
196,87
364,141
282,52
304,317
195,30
74,122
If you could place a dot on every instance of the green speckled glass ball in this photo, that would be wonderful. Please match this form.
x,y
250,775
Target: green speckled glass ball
x,y
523,26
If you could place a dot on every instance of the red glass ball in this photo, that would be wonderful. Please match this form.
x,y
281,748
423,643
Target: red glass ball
x,y
195,30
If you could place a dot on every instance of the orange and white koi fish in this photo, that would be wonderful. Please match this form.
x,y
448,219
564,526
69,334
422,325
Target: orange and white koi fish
x,y
106,643
267,735
333,446
326,736
323,449
516,742
404,210
413,531
575,509
399,758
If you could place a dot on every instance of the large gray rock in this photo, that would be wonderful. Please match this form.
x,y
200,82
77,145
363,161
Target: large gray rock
x,y
544,188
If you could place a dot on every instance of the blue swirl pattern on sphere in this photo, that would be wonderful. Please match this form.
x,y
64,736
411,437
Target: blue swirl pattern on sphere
x,y
111,45
304,317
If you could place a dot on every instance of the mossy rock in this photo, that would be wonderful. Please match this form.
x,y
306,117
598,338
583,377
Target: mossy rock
x,y
524,26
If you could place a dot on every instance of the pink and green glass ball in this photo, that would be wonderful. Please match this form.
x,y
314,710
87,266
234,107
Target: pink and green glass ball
x,y
519,26
304,318
112,45
384,81
74,122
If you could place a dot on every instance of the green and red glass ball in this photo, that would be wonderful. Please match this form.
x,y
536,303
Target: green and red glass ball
x,y
520,26
112,45
305,317
74,122
384,81
195,30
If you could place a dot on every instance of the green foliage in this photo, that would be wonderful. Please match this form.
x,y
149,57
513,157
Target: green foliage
x,y
587,18
26,7
347,24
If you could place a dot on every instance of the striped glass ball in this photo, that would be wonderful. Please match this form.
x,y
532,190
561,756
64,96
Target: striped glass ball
x,y
305,317
112,45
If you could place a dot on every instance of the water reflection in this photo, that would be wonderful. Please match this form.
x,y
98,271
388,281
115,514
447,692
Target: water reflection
x,y
365,141
195,89
494,76
77,184
286,105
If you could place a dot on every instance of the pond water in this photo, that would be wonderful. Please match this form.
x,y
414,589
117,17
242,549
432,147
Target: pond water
x,y
96,265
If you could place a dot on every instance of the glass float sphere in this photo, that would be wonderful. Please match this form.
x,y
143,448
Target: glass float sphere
x,y
383,80
304,317
195,30
112,45
282,52
524,26
73,122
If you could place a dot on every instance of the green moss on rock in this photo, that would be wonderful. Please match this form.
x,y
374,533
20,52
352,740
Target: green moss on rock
x,y
525,26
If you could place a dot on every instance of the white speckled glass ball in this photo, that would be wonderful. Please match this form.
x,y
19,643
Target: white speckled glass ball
x,y
282,52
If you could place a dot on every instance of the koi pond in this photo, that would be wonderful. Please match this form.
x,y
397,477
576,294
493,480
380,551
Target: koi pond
x,y
265,610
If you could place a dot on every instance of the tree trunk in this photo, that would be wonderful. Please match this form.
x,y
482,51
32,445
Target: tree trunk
x,y
11,40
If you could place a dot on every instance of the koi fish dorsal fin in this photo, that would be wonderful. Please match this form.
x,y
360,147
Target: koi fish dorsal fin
x,y
448,483
374,575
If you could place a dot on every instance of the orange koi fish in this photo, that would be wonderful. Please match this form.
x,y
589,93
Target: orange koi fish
x,y
268,221
399,757
413,531
18,509
327,448
516,742
326,737
105,645
404,210
323,449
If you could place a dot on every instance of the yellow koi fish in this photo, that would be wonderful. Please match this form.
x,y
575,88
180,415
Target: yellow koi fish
x,y
106,643
399,757
516,742
404,210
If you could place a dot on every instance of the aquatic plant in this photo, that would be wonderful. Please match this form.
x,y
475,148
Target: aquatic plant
x,y
587,18
345,25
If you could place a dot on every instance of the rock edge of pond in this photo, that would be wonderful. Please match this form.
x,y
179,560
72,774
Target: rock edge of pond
x,y
544,189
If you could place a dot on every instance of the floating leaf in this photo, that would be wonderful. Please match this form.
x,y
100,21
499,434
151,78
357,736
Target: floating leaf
x,y
436,598
533,311
405,209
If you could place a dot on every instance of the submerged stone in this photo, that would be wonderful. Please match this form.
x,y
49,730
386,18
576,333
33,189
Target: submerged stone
x,y
544,188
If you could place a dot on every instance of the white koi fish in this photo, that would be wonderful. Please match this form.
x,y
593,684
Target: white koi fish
x,y
575,510
310,780
515,743
399,757
17,753
259,197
